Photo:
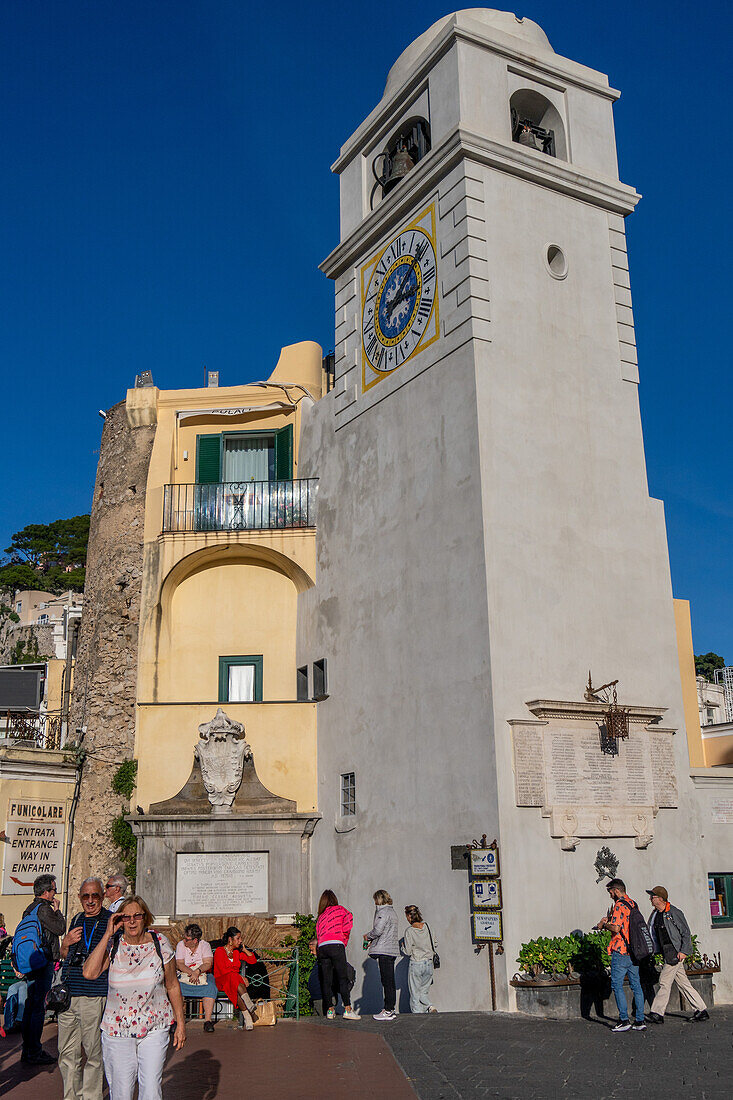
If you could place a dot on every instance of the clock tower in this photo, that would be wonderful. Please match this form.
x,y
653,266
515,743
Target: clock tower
x,y
485,533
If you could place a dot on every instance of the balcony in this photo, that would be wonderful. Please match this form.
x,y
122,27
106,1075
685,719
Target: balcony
x,y
240,506
33,729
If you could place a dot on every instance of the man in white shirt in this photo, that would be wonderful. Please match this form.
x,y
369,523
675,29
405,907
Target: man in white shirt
x,y
114,892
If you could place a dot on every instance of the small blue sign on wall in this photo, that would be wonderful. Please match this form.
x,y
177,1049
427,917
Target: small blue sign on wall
x,y
484,861
486,893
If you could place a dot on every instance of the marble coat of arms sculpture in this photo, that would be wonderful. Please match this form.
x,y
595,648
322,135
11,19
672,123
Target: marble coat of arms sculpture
x,y
221,752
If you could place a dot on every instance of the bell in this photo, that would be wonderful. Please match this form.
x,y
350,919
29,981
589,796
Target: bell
x,y
399,165
526,137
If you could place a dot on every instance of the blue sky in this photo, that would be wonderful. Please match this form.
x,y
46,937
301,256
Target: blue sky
x,y
165,199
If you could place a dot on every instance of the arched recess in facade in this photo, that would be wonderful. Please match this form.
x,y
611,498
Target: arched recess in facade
x,y
221,600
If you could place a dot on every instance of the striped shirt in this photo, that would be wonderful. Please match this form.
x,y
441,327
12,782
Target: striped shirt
x,y
92,932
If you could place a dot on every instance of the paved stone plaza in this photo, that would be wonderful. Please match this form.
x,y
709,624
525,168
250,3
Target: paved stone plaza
x,y
456,1056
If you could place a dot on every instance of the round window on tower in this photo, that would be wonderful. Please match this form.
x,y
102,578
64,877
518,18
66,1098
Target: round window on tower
x,y
557,265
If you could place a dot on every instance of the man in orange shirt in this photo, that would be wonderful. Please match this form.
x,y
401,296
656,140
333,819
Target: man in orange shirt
x,y
617,921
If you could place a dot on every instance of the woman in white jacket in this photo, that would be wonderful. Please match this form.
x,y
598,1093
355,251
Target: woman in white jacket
x,y
383,944
419,946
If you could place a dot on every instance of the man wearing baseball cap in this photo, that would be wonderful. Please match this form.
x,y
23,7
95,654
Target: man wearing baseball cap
x,y
671,934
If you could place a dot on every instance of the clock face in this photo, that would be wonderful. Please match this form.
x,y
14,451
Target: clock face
x,y
399,310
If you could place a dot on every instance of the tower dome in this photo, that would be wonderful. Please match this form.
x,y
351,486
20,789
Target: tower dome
x,y
524,29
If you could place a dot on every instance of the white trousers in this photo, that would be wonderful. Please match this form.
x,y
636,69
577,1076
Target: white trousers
x,y
128,1062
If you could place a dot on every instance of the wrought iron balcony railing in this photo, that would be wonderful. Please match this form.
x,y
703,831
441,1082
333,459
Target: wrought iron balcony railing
x,y
240,505
41,730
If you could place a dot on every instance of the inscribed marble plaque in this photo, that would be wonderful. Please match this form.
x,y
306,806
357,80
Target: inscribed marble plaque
x,y
528,766
664,771
221,882
722,811
577,773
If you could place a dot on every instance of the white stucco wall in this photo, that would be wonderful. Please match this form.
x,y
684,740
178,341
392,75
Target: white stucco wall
x,y
485,531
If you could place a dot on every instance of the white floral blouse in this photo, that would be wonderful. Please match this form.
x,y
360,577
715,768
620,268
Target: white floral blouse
x,y
137,1001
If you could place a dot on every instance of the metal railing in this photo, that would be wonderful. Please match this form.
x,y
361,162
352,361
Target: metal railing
x,y
42,731
280,986
240,505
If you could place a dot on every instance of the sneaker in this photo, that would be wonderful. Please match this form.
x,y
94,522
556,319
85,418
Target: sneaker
x,y
622,1025
208,1025
350,1014
432,1008
656,1018
385,1015
699,1016
639,1026
331,1014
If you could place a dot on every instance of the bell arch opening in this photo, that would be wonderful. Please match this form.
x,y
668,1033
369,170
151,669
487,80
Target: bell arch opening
x,y
536,124
406,147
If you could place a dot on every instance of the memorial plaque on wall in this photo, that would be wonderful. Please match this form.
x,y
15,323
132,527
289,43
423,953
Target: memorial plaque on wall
x,y
577,773
560,766
529,774
664,770
221,882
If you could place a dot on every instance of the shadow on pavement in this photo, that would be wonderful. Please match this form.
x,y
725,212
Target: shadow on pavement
x,y
196,1077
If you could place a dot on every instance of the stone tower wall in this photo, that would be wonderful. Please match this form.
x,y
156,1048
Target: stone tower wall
x,y
106,668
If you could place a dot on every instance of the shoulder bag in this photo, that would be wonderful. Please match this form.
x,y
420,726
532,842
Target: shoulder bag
x,y
436,956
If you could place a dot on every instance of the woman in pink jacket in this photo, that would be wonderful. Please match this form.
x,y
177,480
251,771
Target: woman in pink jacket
x,y
333,926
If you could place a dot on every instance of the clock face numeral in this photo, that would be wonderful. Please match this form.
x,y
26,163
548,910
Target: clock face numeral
x,y
399,299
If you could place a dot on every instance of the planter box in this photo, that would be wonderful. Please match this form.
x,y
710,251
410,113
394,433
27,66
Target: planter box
x,y
592,995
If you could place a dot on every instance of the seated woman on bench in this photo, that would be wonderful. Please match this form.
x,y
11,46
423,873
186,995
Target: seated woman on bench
x,y
194,962
228,961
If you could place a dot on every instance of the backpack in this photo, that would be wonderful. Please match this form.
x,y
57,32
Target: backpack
x,y
27,952
640,944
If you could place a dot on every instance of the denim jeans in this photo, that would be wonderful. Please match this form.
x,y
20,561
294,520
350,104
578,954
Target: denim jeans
x,y
620,966
39,983
419,980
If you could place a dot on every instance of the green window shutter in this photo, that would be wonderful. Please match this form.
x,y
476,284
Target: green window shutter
x,y
208,459
284,454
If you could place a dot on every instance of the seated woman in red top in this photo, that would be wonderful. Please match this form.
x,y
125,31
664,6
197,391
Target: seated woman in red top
x,y
228,961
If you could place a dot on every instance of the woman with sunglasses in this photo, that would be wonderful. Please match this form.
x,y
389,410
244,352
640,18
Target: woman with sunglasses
x,y
143,1001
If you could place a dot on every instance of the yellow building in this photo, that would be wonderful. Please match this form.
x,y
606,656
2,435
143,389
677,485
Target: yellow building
x,y
229,547
712,746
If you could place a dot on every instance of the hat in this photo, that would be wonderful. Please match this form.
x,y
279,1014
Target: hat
x,y
658,892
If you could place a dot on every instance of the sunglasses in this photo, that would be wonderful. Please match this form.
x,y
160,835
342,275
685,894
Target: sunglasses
x,y
130,917
112,886
90,897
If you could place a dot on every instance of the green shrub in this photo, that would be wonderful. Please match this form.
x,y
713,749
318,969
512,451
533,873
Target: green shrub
x,y
548,955
126,843
122,836
124,779
306,926
585,954
592,952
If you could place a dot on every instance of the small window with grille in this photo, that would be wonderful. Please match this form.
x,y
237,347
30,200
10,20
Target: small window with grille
x,y
348,794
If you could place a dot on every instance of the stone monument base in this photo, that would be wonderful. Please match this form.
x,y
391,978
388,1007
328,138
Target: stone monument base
x,y
197,865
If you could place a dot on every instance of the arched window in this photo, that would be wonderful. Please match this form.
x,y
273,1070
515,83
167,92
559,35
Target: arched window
x,y
405,148
536,124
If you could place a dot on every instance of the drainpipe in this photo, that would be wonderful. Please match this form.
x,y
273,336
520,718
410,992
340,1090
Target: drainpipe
x,y
80,756
71,629
72,634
